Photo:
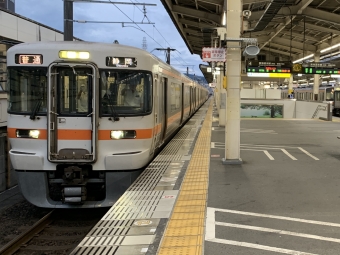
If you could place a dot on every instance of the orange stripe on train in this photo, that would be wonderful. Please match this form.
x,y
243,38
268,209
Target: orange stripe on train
x,y
76,134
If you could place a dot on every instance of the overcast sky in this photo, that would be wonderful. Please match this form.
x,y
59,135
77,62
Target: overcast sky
x,y
162,34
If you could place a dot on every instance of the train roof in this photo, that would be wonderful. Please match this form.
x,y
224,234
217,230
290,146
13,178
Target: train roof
x,y
98,49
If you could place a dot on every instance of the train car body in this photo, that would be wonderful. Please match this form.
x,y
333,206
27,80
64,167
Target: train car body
x,y
307,94
336,103
84,118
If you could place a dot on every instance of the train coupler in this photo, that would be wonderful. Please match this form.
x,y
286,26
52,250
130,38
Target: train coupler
x,y
74,194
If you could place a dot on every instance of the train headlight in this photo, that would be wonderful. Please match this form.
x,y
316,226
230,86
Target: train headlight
x,y
123,134
74,54
27,133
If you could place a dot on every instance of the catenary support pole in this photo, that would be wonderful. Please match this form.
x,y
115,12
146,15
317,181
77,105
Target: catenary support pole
x,y
68,20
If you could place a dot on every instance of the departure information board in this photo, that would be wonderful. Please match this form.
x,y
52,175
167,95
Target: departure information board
x,y
255,66
320,70
268,69
316,68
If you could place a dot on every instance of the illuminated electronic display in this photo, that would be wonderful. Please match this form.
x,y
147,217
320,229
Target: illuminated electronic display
x,y
268,69
320,70
28,59
255,66
121,62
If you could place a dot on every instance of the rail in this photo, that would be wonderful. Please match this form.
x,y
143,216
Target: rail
x,y
26,236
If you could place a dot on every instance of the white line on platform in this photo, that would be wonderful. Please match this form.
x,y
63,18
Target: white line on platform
x,y
308,153
288,154
260,247
210,224
324,223
265,152
268,155
278,231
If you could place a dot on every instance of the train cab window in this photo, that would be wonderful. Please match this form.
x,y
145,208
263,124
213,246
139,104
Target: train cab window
x,y
74,91
27,87
125,92
337,96
329,94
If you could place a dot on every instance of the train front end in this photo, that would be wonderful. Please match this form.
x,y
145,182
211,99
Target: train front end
x,y
74,143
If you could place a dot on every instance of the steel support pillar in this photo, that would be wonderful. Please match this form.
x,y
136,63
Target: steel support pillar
x,y
223,103
316,78
290,84
232,129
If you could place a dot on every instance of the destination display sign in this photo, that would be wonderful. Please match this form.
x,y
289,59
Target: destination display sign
x,y
316,68
254,66
121,62
28,59
256,63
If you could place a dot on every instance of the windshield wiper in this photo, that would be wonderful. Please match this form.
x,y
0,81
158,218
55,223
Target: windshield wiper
x,y
35,109
115,116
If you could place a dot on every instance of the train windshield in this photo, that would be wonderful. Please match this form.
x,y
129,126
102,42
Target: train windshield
x,y
125,92
27,90
329,94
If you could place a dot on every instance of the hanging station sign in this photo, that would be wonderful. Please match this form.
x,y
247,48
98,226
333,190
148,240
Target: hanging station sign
x,y
213,54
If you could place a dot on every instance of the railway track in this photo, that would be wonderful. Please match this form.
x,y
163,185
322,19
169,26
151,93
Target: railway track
x,y
58,232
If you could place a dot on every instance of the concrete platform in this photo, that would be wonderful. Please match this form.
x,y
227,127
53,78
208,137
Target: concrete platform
x,y
283,198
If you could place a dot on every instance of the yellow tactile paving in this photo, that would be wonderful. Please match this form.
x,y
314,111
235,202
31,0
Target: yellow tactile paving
x,y
185,223
184,234
189,250
188,209
192,197
186,216
183,241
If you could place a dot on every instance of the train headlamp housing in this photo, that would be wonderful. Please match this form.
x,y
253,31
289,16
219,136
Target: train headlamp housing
x,y
67,54
123,134
27,133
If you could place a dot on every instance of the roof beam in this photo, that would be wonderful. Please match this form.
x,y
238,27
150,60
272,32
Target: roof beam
x,y
196,13
322,29
193,32
299,35
254,1
285,47
294,44
318,14
168,6
276,51
195,24
214,2
299,8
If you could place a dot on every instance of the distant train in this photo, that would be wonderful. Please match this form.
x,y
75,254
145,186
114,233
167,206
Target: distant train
x,y
326,93
84,118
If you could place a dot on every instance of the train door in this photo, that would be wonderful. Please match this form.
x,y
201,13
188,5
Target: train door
x,y
157,115
190,101
182,102
164,111
71,119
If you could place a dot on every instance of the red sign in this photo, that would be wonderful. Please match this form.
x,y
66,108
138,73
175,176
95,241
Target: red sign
x,y
213,54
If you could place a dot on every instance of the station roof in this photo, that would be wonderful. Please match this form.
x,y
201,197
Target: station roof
x,y
290,28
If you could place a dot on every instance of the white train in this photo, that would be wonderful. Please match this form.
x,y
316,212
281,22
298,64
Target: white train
x,y
326,93
85,118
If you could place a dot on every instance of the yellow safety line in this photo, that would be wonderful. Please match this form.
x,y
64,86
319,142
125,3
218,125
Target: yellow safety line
x,y
184,234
